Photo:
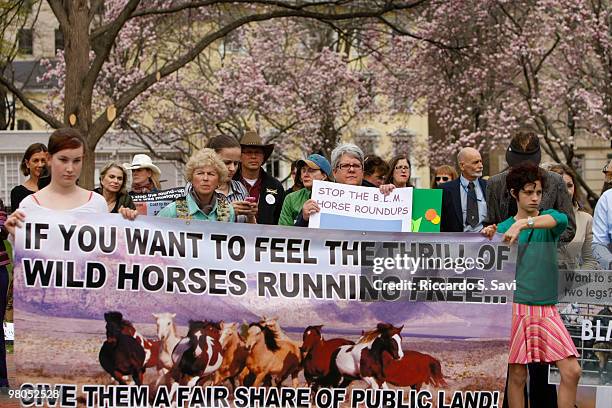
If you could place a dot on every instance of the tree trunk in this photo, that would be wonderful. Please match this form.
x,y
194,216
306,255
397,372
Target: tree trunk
x,y
78,93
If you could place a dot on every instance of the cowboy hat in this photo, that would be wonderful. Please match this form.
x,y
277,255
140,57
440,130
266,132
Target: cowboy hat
x,y
142,161
252,139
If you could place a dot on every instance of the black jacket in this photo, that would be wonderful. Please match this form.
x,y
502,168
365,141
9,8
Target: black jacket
x,y
271,198
452,213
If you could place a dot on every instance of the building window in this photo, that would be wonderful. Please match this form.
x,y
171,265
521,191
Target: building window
x,y
23,124
59,40
272,167
25,39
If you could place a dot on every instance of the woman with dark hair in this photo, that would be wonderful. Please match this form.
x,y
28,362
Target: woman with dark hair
x,y
229,150
113,180
33,165
443,174
66,151
578,253
399,172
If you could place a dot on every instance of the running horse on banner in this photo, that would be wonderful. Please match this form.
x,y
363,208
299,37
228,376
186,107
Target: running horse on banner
x,y
168,338
364,359
317,357
235,354
413,370
121,354
271,356
199,354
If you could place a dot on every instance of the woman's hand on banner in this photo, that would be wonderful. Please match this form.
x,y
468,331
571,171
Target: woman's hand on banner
x,y
14,221
310,207
128,213
489,231
386,189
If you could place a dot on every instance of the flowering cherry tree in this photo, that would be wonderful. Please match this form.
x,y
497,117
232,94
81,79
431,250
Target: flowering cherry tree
x,y
97,88
294,81
508,65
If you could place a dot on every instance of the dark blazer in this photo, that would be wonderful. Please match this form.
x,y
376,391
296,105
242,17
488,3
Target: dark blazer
x,y
452,213
501,205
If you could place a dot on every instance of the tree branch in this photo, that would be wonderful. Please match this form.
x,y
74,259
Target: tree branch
x,y
101,124
58,9
54,123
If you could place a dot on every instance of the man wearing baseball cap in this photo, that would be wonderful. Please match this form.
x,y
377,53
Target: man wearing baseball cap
x,y
264,188
314,167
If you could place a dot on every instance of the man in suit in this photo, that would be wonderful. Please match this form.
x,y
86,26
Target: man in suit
x,y
464,205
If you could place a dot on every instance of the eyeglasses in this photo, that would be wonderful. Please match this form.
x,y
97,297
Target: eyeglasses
x,y
346,166
402,168
442,178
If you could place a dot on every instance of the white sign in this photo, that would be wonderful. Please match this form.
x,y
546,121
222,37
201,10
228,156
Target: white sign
x,y
9,331
361,208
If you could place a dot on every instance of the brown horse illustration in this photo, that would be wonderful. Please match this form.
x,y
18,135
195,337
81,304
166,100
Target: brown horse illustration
x,y
121,355
235,354
318,354
202,354
413,370
364,360
270,356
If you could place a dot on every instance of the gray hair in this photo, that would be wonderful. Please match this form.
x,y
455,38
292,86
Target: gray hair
x,y
206,157
346,148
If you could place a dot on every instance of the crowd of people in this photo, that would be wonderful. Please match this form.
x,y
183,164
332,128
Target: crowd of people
x,y
226,182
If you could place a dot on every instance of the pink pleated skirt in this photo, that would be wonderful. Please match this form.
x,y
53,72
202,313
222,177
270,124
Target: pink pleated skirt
x,y
538,335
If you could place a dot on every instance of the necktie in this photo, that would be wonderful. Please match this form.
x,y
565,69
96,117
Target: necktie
x,y
471,216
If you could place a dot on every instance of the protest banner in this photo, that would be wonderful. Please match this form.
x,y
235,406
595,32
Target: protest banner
x,y
585,305
349,207
160,304
152,203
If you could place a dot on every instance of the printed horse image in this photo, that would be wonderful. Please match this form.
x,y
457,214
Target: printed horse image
x,y
121,355
604,348
235,354
413,370
364,360
317,355
151,347
272,323
271,356
202,356
168,339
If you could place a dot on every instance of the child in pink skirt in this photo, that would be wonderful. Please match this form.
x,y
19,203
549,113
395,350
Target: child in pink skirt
x,y
538,334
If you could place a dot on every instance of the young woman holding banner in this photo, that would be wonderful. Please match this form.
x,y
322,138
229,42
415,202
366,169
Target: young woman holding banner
x,y
538,333
65,158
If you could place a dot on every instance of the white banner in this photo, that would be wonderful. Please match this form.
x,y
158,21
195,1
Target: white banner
x,y
349,207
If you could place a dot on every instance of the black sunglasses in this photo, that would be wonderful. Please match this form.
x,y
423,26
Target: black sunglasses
x,y
442,178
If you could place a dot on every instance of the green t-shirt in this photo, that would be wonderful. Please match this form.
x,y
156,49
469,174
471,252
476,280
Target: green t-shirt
x,y
293,205
537,271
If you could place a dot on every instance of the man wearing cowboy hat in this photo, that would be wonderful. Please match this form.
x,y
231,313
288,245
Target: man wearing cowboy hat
x,y
266,189
145,175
